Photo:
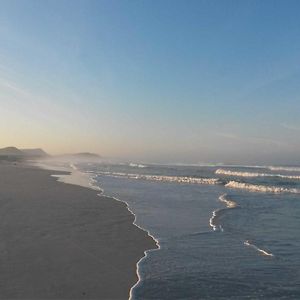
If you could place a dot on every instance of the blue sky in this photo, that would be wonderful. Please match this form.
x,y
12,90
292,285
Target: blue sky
x,y
164,81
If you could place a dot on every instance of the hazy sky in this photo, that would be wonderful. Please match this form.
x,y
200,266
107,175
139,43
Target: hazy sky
x,y
166,81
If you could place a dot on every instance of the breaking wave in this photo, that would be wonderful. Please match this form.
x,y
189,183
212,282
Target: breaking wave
x,y
133,165
178,179
260,188
214,220
289,169
261,251
253,174
229,203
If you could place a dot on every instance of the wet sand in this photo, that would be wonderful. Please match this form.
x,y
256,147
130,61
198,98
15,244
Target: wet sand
x,y
62,241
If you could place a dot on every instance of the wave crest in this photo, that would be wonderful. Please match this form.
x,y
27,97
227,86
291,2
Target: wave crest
x,y
214,220
261,251
229,203
290,169
260,188
253,174
134,165
178,179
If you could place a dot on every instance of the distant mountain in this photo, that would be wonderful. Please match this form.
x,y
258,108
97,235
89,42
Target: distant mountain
x,y
11,151
15,153
38,152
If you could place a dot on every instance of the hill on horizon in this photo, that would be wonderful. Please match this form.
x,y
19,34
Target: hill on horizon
x,y
22,153
14,152
37,152
11,151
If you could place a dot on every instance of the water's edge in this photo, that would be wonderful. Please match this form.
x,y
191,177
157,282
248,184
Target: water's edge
x,y
76,177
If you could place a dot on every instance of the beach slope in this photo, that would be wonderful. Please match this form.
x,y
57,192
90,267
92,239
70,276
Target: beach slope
x,y
61,241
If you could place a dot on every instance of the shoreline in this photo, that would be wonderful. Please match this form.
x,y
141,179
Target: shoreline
x,y
116,226
77,180
145,252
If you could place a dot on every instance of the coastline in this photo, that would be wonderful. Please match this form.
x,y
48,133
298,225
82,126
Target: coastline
x,y
76,177
157,244
66,241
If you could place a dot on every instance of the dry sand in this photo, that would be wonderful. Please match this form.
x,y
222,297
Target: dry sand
x,y
61,241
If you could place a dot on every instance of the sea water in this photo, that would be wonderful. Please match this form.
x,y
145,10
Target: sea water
x,y
223,233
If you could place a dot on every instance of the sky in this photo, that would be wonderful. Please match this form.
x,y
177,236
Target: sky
x,y
153,81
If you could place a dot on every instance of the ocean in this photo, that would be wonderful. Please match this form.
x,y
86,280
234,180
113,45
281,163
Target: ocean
x,y
224,232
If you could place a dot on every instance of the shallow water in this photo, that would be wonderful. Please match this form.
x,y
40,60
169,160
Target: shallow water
x,y
244,245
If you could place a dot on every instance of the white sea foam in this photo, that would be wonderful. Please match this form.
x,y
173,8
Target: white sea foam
x,y
253,174
178,179
229,203
134,165
263,252
238,174
213,221
260,188
289,169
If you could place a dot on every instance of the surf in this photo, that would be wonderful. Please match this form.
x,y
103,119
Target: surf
x,y
253,174
163,178
260,188
216,214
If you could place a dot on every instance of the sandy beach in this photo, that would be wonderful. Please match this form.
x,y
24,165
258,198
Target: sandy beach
x,y
62,241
